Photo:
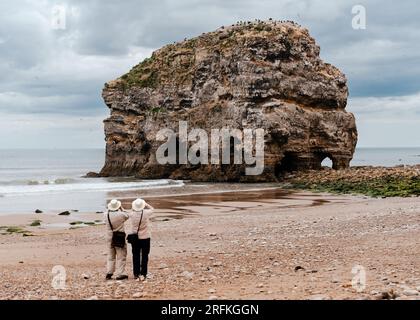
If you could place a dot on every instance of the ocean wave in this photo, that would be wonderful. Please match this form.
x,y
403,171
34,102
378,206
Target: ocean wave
x,y
87,186
35,182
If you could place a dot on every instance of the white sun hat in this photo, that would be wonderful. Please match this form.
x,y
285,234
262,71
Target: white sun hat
x,y
138,204
114,205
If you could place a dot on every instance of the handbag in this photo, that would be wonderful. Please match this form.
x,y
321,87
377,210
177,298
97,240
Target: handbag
x,y
118,237
134,237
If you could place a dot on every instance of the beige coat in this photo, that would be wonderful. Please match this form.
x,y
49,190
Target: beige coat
x,y
116,259
134,220
117,219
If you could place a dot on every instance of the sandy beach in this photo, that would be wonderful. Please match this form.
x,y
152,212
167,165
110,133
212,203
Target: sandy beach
x,y
270,148
266,243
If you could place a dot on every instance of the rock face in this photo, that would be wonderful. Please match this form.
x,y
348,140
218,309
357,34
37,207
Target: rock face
x,y
251,75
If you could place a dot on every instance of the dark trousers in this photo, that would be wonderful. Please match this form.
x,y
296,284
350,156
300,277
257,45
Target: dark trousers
x,y
140,250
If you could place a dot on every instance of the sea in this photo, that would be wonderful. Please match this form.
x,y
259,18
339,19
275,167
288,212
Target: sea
x,y
52,180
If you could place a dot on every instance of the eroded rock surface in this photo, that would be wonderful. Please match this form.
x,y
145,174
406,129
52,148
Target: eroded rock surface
x,y
251,75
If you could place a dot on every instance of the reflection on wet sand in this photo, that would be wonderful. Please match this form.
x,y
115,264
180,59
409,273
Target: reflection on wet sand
x,y
181,206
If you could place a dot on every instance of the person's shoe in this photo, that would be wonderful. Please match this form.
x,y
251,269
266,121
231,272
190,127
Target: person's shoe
x,y
136,277
123,277
108,276
142,278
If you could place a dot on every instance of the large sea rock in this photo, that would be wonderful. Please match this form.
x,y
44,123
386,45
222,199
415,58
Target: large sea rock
x,y
250,75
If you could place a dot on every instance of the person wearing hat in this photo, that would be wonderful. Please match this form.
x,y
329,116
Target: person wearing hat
x,y
139,236
115,219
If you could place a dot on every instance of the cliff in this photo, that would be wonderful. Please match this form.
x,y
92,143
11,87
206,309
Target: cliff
x,y
250,75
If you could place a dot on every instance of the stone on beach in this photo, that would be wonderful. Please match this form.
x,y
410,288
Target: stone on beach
x,y
138,295
92,175
320,297
187,274
410,292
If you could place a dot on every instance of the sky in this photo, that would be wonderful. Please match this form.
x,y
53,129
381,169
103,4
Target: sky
x,y
52,70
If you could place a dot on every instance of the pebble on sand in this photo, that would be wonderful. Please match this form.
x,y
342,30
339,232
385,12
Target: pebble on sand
x,y
410,292
187,274
387,295
319,297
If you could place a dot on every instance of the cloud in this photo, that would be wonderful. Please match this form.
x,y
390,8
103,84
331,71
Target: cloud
x,y
395,108
60,73
66,82
45,131
387,121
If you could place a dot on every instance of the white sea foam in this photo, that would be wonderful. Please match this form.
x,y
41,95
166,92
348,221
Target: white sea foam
x,y
85,185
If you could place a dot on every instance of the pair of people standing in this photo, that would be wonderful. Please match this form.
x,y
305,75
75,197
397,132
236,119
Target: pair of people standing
x,y
139,234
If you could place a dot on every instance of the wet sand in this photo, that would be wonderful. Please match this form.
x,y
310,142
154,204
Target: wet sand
x,y
259,244
177,205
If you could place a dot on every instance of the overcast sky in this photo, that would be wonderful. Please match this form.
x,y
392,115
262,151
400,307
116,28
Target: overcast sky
x,y
51,78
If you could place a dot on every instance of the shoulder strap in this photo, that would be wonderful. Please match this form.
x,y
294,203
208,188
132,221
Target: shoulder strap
x,y
141,218
109,220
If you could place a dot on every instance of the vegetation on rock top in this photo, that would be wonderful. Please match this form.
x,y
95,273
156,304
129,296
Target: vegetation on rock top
x,y
177,58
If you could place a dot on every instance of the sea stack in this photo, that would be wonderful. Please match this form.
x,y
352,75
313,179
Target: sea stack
x,y
254,75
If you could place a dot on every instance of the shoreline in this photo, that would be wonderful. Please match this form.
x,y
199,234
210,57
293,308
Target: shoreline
x,y
187,189
169,206
260,249
326,180
229,241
